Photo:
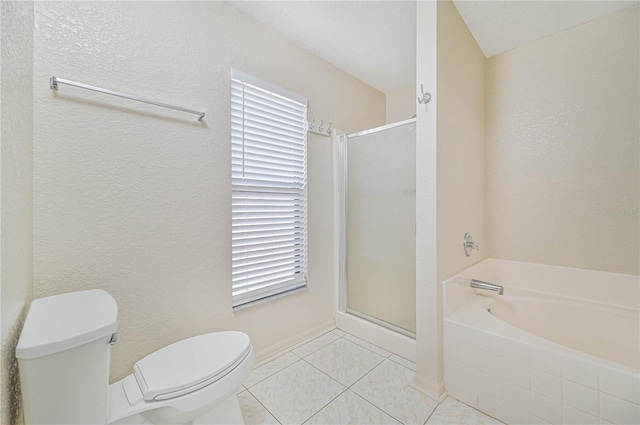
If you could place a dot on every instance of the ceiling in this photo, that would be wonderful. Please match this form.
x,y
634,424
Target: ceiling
x,y
499,26
375,41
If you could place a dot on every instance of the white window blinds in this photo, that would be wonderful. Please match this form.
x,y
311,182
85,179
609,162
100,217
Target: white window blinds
x,y
269,189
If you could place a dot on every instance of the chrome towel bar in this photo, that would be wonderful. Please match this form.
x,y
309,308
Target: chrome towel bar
x,y
54,81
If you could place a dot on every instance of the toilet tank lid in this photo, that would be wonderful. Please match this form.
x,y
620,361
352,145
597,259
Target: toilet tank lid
x,y
66,321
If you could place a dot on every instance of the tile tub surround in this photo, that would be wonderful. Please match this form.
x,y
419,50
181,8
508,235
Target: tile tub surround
x,y
520,378
538,384
337,378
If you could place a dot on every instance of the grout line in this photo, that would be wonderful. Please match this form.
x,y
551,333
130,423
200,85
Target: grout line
x,y
403,358
346,388
274,373
319,348
360,339
323,372
431,414
370,402
330,377
400,364
363,376
368,373
377,407
387,357
265,407
303,360
330,401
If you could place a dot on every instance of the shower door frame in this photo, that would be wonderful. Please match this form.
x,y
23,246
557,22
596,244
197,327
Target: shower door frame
x,y
343,227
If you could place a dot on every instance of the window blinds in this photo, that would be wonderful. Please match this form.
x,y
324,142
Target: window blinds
x,y
269,189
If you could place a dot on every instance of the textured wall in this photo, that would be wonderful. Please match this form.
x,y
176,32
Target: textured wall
x,y
16,199
458,106
401,104
562,148
461,143
136,200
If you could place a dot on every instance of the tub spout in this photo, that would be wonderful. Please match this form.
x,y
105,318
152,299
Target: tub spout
x,y
488,286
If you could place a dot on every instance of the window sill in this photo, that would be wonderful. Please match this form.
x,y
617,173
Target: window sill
x,y
271,298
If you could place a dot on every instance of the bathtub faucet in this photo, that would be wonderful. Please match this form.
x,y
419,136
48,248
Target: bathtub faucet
x,y
488,286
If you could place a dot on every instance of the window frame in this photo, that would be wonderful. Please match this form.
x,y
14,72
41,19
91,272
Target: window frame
x,y
268,186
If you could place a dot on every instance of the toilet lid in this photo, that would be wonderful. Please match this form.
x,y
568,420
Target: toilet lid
x,y
190,364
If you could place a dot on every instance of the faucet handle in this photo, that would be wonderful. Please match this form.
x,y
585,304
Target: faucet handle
x,y
469,244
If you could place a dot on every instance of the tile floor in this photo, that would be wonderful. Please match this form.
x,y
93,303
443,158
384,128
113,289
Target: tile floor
x,y
340,379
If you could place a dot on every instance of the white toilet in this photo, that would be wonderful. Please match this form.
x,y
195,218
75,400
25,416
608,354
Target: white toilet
x,y
64,352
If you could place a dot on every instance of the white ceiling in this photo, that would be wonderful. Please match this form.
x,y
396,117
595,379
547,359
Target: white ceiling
x,y
499,26
375,41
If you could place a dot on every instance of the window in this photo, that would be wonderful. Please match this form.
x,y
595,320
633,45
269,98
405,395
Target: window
x,y
269,189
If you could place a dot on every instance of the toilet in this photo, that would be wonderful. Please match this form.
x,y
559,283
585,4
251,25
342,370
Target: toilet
x,y
64,353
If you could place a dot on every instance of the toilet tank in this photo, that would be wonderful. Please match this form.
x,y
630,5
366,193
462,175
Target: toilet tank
x,y
63,356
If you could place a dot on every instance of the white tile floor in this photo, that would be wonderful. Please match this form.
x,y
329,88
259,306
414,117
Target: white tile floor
x,y
340,379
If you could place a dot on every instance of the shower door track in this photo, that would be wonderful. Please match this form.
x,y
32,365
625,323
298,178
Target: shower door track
x,y
382,323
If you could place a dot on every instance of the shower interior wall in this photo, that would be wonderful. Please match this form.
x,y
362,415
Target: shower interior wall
x,y
563,150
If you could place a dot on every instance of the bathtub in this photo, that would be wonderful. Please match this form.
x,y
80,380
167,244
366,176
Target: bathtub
x,y
561,346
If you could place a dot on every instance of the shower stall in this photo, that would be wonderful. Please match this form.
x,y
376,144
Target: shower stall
x,y
376,216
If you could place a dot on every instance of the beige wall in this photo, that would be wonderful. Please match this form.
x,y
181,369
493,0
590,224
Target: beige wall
x,y
401,104
460,183
461,143
136,200
562,148
450,197
16,192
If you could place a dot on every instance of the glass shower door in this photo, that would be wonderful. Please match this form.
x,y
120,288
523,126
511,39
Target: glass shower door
x,y
381,182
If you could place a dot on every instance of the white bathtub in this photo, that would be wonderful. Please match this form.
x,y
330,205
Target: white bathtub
x,y
588,327
560,346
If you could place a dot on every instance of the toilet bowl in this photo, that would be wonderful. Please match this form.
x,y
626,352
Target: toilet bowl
x,y
64,352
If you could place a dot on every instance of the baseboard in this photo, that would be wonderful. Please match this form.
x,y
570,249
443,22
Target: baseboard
x,y
431,389
267,354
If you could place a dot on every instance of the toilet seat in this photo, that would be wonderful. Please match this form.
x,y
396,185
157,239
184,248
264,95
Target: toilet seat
x,y
128,406
190,364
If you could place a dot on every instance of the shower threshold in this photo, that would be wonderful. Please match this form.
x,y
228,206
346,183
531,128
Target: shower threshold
x,y
382,323
377,334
